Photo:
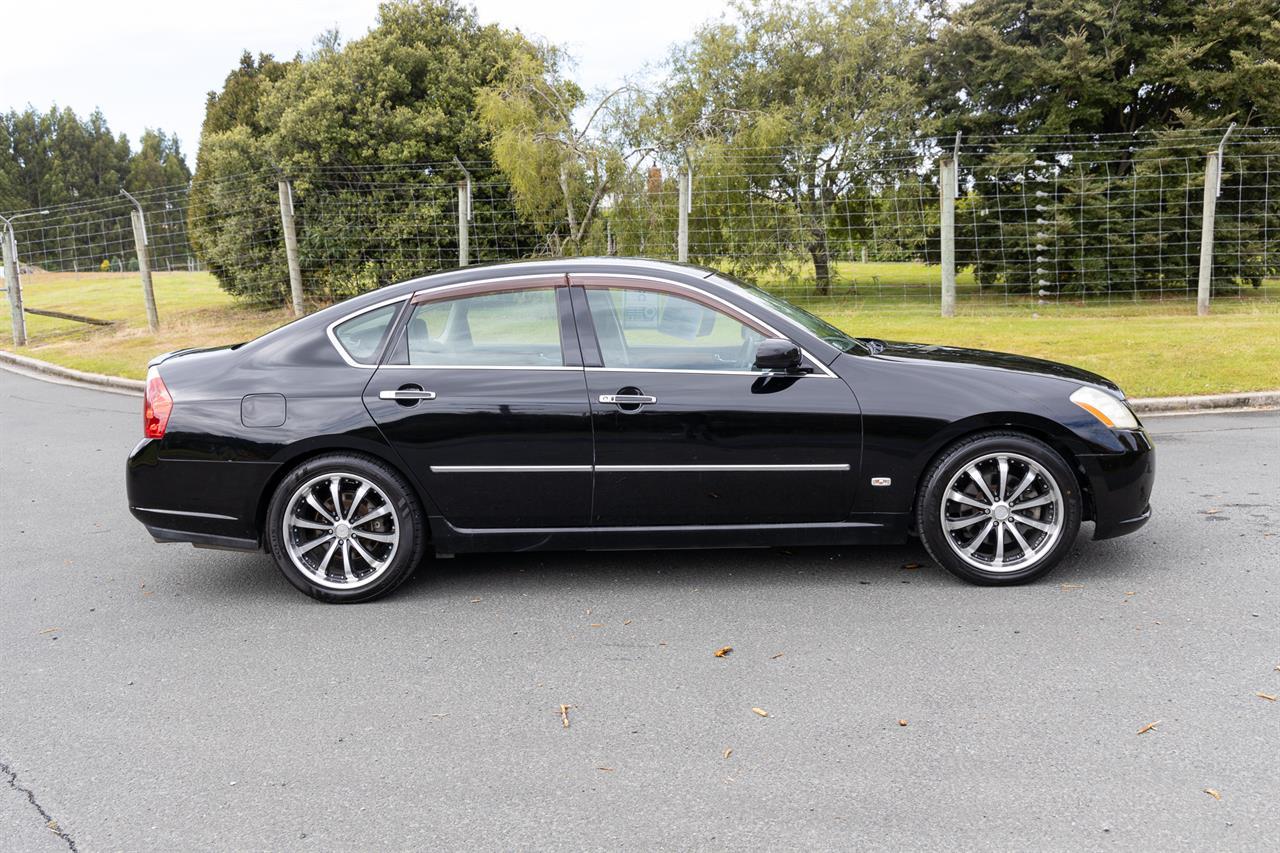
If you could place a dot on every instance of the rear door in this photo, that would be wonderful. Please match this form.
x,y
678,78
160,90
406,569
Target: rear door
x,y
688,431
483,396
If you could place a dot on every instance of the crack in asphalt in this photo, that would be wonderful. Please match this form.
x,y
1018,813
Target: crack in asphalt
x,y
49,822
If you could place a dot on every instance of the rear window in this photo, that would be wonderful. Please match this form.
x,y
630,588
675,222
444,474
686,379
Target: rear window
x,y
362,335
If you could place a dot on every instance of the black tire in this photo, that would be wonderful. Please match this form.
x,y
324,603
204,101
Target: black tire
x,y
408,523
979,449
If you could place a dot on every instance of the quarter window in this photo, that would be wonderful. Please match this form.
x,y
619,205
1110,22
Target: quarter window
x,y
361,336
646,329
508,328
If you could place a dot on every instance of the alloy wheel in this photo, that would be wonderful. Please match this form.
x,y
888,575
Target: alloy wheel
x,y
1002,512
341,530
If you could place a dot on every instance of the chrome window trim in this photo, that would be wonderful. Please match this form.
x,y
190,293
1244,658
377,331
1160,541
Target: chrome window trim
x,y
446,288
757,373
688,287
480,367
333,337
624,469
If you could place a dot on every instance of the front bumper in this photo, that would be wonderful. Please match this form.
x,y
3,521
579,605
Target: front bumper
x,y
1120,485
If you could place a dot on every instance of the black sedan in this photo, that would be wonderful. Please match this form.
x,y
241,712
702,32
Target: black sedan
x,y
612,404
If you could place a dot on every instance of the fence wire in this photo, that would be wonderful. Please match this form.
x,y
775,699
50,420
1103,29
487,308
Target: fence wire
x,y
1038,221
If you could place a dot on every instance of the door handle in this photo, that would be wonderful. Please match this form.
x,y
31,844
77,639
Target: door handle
x,y
407,393
628,399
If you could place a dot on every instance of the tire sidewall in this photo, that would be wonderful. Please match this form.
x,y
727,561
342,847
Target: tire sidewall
x,y
409,518
929,521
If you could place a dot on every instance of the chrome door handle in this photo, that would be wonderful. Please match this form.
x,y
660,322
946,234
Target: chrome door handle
x,y
628,399
406,394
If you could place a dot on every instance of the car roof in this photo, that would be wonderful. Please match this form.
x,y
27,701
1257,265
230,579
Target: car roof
x,y
479,272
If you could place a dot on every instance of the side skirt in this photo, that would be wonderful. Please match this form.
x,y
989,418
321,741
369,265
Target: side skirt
x,y
885,529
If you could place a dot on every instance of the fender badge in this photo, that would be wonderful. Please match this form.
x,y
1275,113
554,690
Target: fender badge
x,y
881,481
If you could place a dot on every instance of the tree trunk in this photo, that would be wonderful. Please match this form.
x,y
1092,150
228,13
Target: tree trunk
x,y
821,255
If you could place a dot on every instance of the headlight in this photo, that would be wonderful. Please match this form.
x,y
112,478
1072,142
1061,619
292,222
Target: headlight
x,y
1112,412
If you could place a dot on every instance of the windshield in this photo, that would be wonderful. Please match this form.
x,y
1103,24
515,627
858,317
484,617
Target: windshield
x,y
816,325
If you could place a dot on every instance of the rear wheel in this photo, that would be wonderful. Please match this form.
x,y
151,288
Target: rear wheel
x,y
999,508
345,528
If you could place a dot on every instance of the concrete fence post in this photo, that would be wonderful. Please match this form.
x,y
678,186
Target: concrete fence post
x,y
13,284
289,227
685,191
464,230
947,199
1212,165
144,268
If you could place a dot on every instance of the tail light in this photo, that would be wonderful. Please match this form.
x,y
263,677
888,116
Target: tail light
x,y
156,406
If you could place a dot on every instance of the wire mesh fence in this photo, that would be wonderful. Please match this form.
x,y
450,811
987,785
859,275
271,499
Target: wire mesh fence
x,y
1038,221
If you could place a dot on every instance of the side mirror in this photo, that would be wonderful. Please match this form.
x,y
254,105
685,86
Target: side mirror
x,y
777,354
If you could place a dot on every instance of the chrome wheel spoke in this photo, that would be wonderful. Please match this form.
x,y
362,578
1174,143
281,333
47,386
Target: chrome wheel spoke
x,y
323,568
1003,464
1022,487
366,556
1031,522
376,537
309,525
1034,502
962,523
355,501
1022,542
998,560
371,515
336,497
961,497
346,561
980,481
314,543
980,538
319,508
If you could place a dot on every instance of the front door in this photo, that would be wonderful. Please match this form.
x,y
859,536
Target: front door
x,y
688,432
483,396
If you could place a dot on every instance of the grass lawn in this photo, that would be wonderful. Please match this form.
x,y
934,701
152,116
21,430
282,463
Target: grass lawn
x,y
1152,348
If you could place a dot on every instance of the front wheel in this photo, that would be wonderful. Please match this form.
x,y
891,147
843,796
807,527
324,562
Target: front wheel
x,y
345,528
999,508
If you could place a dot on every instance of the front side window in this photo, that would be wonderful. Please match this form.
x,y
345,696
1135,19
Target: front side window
x,y
361,336
508,328
647,329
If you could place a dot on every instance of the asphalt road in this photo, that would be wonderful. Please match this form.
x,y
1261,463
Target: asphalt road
x,y
160,697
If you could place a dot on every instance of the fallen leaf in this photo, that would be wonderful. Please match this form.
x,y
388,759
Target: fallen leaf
x,y
911,567
564,715
626,621
605,769
1213,510
902,722
1211,792
1148,727
780,654
1129,593
596,625
728,750
1266,696
722,651
51,630
761,711
476,600
1066,587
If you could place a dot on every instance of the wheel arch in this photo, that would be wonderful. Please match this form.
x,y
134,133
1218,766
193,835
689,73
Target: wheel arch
x,y
304,451
1057,437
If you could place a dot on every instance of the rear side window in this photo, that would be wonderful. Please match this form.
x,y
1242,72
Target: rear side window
x,y
509,328
361,336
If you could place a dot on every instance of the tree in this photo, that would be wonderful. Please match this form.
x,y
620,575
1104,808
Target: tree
x,y
560,171
1015,75
804,101
405,93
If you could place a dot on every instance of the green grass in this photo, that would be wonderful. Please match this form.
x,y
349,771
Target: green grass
x,y
1150,347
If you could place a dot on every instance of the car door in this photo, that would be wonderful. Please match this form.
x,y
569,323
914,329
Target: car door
x,y
483,396
688,431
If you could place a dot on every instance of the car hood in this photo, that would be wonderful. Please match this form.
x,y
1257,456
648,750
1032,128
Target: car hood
x,y
988,360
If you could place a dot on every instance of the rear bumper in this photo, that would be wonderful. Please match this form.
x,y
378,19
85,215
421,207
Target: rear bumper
x,y
208,503
1120,485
